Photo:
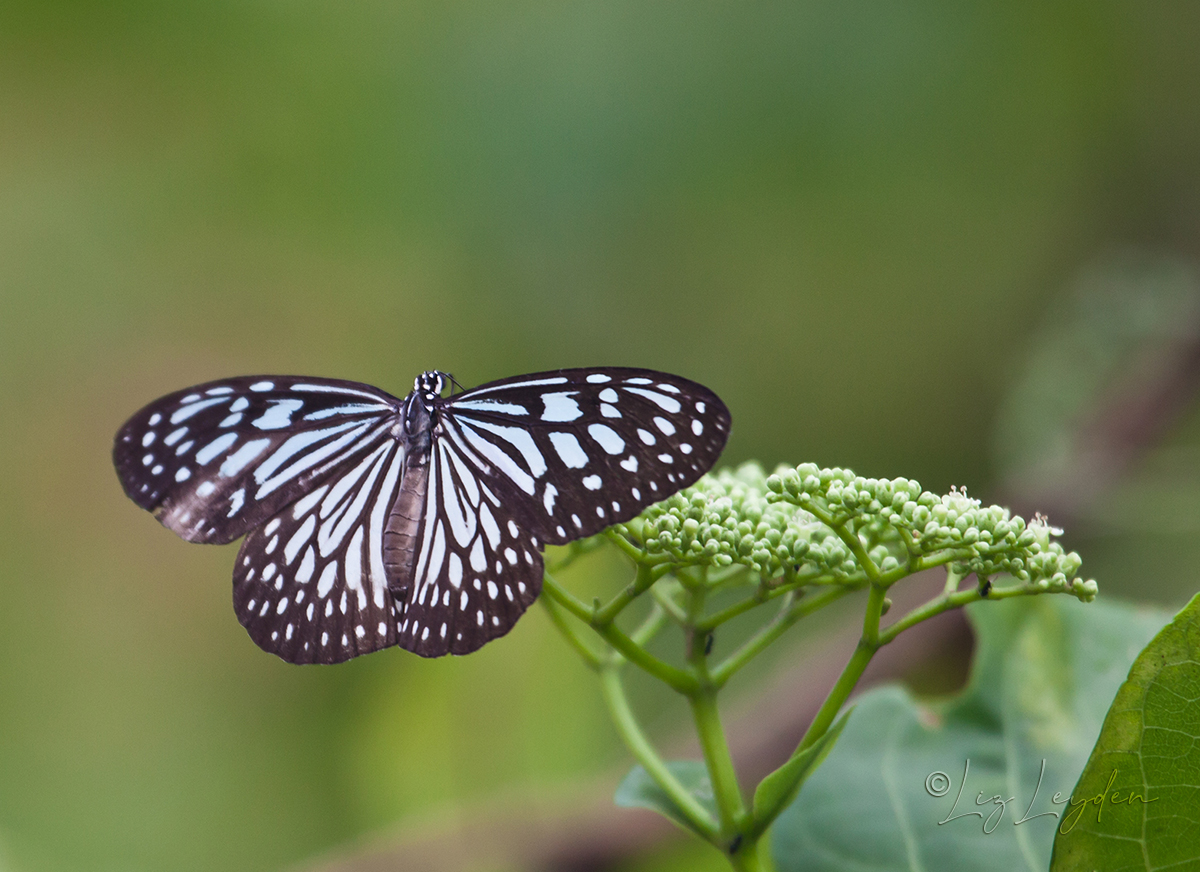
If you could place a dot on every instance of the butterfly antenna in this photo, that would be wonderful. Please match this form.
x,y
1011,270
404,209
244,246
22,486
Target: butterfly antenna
x,y
454,383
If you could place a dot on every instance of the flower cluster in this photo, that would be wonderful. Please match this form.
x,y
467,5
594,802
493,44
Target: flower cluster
x,y
805,523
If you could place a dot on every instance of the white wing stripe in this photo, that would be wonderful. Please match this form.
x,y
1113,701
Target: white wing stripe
x,y
309,460
501,460
330,389
475,392
461,518
294,444
379,513
334,538
667,404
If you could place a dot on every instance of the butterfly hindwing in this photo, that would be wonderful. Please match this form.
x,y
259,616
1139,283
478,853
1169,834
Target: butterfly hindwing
x,y
476,569
217,460
310,584
574,451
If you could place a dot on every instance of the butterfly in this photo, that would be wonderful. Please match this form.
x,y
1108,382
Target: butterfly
x,y
372,521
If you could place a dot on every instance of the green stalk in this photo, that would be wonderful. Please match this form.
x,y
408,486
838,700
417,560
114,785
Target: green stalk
x,y
643,751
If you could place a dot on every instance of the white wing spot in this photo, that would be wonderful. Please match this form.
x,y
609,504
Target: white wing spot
x,y
220,390
231,420
664,425
616,507
212,449
697,427
492,590
592,482
456,571
600,511
630,463
607,438
521,587
646,436
279,415
575,520
548,500
569,450
560,407
637,494
700,407
671,389
328,576
183,448
685,448
271,545
308,565
638,381
511,557
479,617
155,418
462,601
478,561
282,607
147,460
183,474
263,386
359,631
608,395
324,638
309,613
667,404
157,469
609,411
205,488
598,378
512,529
175,435
666,458
241,458
288,634
561,531
235,501
381,629
478,584
148,438
239,405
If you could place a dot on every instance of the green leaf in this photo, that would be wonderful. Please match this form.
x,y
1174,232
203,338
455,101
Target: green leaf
x,y
639,790
1137,804
892,794
780,786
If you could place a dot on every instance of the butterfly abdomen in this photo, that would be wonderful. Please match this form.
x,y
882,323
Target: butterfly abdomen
x,y
404,520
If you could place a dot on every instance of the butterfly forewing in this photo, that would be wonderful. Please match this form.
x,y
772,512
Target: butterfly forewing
x,y
575,451
215,461
310,584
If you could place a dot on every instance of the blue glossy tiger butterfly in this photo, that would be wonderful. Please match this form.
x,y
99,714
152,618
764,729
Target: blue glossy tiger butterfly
x,y
372,521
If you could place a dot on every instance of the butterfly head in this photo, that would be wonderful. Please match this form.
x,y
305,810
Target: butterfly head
x,y
429,386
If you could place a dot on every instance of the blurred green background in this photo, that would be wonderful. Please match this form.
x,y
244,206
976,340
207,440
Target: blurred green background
x,y
847,219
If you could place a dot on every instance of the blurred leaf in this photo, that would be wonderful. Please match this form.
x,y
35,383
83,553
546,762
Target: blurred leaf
x,y
1147,749
638,790
969,783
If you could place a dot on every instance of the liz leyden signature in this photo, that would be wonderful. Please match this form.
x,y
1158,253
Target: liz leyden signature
x,y
938,784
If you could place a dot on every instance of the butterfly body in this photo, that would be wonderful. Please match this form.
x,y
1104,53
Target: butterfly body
x,y
371,521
